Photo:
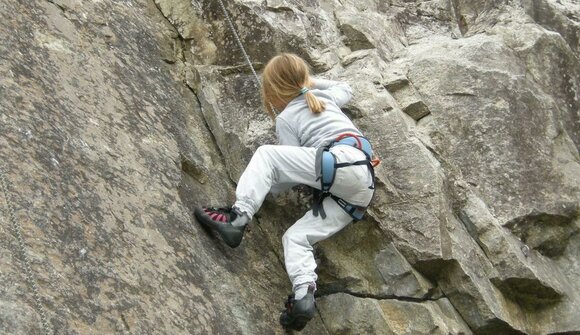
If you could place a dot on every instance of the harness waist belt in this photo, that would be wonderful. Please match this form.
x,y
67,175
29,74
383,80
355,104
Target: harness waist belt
x,y
353,142
326,166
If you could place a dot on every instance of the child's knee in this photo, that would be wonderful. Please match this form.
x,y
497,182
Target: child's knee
x,y
266,154
265,149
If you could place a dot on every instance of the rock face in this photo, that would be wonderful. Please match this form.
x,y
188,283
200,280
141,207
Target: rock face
x,y
117,118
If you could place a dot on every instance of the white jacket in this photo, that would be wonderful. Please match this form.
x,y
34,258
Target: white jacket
x,y
298,126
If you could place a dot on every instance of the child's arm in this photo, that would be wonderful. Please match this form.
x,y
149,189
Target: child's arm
x,y
339,90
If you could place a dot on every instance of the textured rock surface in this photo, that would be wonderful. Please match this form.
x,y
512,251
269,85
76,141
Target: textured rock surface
x,y
118,117
389,316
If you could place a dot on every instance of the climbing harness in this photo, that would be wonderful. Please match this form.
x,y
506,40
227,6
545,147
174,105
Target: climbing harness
x,y
326,166
17,231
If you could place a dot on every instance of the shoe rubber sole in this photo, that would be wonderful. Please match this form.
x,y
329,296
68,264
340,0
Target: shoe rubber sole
x,y
231,235
304,313
298,323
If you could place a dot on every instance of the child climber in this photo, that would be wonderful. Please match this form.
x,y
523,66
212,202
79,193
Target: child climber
x,y
319,147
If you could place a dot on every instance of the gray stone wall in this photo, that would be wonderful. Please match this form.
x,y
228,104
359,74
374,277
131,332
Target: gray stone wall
x,y
117,118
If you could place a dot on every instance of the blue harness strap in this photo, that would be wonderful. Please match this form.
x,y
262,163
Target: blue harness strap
x,y
328,170
356,212
353,142
326,166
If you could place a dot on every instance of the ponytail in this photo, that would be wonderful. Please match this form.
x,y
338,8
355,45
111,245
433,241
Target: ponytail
x,y
286,77
316,106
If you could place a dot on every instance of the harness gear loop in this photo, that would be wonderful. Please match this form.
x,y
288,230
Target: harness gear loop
x,y
326,165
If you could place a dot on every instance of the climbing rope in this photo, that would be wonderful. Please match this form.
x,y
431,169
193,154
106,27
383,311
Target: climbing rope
x,y
239,41
17,231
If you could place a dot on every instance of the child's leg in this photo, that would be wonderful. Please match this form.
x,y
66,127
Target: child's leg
x,y
271,165
299,239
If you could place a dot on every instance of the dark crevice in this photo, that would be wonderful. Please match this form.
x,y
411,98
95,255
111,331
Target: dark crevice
x,y
167,19
125,323
180,39
278,256
461,94
377,296
459,18
181,57
458,313
238,69
472,231
322,320
62,8
206,124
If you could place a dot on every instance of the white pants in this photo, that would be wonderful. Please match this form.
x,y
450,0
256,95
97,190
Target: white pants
x,y
274,165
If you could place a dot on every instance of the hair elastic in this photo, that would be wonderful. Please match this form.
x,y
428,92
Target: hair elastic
x,y
303,90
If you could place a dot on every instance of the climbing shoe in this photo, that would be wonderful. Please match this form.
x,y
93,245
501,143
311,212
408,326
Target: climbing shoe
x,y
298,312
220,220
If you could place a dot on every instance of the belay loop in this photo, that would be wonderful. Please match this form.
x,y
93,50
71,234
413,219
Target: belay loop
x,y
326,165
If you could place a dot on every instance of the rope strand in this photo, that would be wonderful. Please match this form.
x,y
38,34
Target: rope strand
x,y
239,41
17,231
241,46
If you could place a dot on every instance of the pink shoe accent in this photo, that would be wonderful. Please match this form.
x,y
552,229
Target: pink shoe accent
x,y
215,215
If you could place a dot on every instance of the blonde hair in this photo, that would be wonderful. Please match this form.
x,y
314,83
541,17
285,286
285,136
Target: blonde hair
x,y
283,79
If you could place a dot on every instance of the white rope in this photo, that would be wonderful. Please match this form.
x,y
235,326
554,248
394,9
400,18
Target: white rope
x,y
17,231
239,41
